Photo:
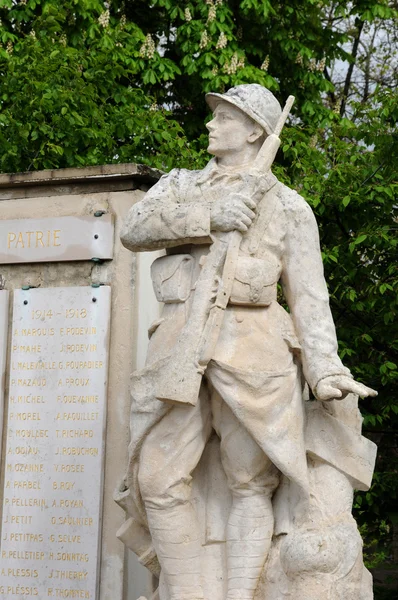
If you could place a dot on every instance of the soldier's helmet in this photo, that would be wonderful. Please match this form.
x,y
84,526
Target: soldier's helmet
x,y
254,100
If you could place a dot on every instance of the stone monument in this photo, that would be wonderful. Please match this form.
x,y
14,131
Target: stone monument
x,y
69,291
239,485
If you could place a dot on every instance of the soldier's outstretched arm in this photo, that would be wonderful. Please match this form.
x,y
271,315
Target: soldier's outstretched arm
x,y
164,218
308,299
306,293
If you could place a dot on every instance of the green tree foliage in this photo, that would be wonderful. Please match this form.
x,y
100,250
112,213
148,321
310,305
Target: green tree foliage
x,y
73,90
85,82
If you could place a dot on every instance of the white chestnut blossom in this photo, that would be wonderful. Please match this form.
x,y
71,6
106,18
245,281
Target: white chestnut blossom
x,y
235,64
265,65
204,40
212,14
104,17
312,65
222,41
148,48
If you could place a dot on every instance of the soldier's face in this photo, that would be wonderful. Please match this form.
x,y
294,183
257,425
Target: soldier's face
x,y
229,131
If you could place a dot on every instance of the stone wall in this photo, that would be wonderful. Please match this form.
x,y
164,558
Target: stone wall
x,y
80,193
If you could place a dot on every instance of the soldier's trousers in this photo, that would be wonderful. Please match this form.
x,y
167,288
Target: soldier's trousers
x,y
169,455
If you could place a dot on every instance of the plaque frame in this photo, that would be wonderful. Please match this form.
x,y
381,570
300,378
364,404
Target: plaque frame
x,y
4,302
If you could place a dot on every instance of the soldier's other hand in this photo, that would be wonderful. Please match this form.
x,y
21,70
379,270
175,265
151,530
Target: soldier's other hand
x,y
235,211
337,387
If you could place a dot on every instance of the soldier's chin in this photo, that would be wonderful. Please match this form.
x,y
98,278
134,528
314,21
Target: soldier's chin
x,y
212,149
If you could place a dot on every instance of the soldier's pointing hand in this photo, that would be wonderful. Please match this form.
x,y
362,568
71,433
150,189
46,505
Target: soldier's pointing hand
x,y
337,387
234,212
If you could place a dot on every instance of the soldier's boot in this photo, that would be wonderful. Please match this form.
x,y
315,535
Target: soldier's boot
x,y
176,540
249,533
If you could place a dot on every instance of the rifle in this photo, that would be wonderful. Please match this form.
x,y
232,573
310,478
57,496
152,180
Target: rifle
x,y
180,377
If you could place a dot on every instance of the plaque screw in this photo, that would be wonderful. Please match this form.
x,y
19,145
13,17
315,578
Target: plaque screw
x,y
95,285
25,302
99,213
94,299
96,236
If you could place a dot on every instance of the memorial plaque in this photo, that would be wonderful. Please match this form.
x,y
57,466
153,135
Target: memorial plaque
x,y
51,525
3,353
56,239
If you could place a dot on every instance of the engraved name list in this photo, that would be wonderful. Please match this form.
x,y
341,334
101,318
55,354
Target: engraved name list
x,y
55,443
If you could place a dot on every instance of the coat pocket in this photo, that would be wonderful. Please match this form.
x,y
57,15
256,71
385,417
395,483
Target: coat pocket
x,y
172,277
255,282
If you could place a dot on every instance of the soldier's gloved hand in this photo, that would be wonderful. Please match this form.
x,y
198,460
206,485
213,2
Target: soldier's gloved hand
x,y
336,387
235,211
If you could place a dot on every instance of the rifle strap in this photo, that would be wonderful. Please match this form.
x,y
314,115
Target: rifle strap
x,y
258,228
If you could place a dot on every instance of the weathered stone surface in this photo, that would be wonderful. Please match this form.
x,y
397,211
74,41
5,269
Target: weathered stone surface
x,y
236,487
55,441
63,182
80,192
4,297
56,239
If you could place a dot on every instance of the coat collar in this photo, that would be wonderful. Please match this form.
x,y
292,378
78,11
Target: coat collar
x,y
212,171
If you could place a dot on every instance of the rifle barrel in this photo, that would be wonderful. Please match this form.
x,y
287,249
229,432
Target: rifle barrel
x,y
284,115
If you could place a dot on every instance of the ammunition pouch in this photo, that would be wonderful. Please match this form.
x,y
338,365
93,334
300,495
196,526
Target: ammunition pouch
x,y
255,282
172,277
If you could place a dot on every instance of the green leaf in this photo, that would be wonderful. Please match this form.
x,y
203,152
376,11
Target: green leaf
x,y
346,201
360,239
390,365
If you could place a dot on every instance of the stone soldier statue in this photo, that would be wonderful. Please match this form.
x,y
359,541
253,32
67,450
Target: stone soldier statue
x,y
250,416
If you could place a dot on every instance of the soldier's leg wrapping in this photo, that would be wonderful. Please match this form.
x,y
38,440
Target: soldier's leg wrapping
x,y
169,455
252,479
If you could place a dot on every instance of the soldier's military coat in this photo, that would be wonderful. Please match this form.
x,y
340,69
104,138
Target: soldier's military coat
x,y
263,353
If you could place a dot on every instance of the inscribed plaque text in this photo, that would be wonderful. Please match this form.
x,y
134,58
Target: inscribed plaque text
x,y
56,239
55,436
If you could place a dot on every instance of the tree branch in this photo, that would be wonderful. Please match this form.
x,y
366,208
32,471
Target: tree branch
x,y
367,66
359,26
331,95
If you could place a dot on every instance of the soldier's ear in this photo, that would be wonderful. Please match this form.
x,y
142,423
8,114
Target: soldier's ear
x,y
258,134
